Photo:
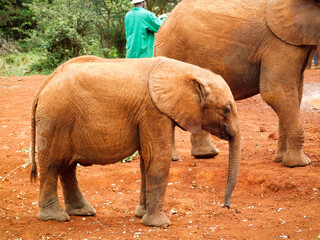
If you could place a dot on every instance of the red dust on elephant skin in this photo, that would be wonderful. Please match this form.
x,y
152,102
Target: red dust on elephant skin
x,y
270,201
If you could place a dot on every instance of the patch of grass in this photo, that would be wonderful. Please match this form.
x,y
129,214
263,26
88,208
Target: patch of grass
x,y
27,150
17,64
130,158
318,238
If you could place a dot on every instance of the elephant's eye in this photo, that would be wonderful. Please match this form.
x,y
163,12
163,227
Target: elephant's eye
x,y
227,110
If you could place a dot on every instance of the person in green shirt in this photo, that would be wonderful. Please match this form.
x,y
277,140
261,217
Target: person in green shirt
x,y
141,25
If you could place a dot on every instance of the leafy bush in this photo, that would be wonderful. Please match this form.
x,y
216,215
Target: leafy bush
x,y
110,25
66,29
161,6
16,18
63,29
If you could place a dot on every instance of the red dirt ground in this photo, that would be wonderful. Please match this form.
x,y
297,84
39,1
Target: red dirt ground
x,y
270,201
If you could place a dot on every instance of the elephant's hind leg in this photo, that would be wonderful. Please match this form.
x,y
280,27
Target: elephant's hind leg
x,y
50,208
76,204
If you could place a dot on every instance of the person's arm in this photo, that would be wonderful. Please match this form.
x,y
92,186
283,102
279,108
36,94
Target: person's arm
x,y
163,17
153,23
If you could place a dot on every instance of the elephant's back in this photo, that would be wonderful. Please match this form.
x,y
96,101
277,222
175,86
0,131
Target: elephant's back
x,y
208,27
95,90
213,34
99,80
243,10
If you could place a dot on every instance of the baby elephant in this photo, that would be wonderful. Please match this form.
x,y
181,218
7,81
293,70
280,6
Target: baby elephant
x,y
97,111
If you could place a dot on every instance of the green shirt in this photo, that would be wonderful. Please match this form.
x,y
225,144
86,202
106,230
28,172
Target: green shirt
x,y
141,25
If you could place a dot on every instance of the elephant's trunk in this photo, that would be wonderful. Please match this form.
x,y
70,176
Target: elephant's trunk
x,y
234,166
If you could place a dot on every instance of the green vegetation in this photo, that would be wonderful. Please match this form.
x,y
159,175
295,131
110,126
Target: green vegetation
x,y
18,64
16,18
318,238
38,35
130,158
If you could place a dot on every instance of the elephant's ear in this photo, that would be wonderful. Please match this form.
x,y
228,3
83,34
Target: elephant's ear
x,y
177,91
295,21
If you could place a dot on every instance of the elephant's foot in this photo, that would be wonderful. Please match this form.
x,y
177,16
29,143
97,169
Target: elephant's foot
x,y
156,220
82,208
202,146
140,211
279,156
53,213
295,159
175,157
204,151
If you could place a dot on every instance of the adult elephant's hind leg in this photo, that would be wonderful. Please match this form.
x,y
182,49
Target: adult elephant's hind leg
x,y
76,204
202,146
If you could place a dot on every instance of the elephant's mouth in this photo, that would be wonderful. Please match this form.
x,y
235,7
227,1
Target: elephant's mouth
x,y
225,133
221,130
179,126
226,137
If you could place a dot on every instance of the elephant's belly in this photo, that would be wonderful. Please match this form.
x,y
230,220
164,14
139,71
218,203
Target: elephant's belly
x,y
104,156
243,80
243,89
105,147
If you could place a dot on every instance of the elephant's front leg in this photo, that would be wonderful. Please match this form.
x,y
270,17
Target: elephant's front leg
x,y
292,137
156,153
175,156
142,209
280,87
282,143
156,183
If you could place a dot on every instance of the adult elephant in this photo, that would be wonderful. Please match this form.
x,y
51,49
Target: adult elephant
x,y
257,46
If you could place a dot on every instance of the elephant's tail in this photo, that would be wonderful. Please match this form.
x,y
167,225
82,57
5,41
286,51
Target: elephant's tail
x,y
34,173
